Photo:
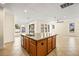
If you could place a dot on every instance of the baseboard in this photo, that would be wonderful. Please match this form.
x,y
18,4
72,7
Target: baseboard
x,y
8,42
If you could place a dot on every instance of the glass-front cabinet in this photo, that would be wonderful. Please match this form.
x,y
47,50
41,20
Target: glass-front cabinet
x,y
45,28
31,29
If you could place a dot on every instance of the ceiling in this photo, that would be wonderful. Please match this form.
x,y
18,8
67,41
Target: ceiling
x,y
42,11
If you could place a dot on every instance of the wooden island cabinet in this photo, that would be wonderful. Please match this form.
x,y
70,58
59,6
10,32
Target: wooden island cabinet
x,y
42,47
36,46
50,44
32,47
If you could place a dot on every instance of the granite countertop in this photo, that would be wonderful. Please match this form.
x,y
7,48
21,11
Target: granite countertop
x,y
39,36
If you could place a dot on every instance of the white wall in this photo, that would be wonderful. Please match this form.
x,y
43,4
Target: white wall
x,y
8,26
1,27
66,27
63,28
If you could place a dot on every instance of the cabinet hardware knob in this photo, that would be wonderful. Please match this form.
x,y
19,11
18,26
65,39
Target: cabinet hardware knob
x,y
42,43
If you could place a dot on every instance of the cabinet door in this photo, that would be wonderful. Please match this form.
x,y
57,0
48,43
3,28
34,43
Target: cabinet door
x,y
54,41
42,47
49,44
32,49
24,41
27,44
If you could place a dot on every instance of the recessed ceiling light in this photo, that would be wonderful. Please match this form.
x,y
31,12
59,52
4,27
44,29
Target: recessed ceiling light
x,y
25,11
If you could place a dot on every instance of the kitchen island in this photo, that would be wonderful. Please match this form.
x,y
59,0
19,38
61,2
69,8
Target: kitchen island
x,y
39,44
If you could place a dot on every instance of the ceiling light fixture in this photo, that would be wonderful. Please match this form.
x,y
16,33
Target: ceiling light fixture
x,y
25,11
